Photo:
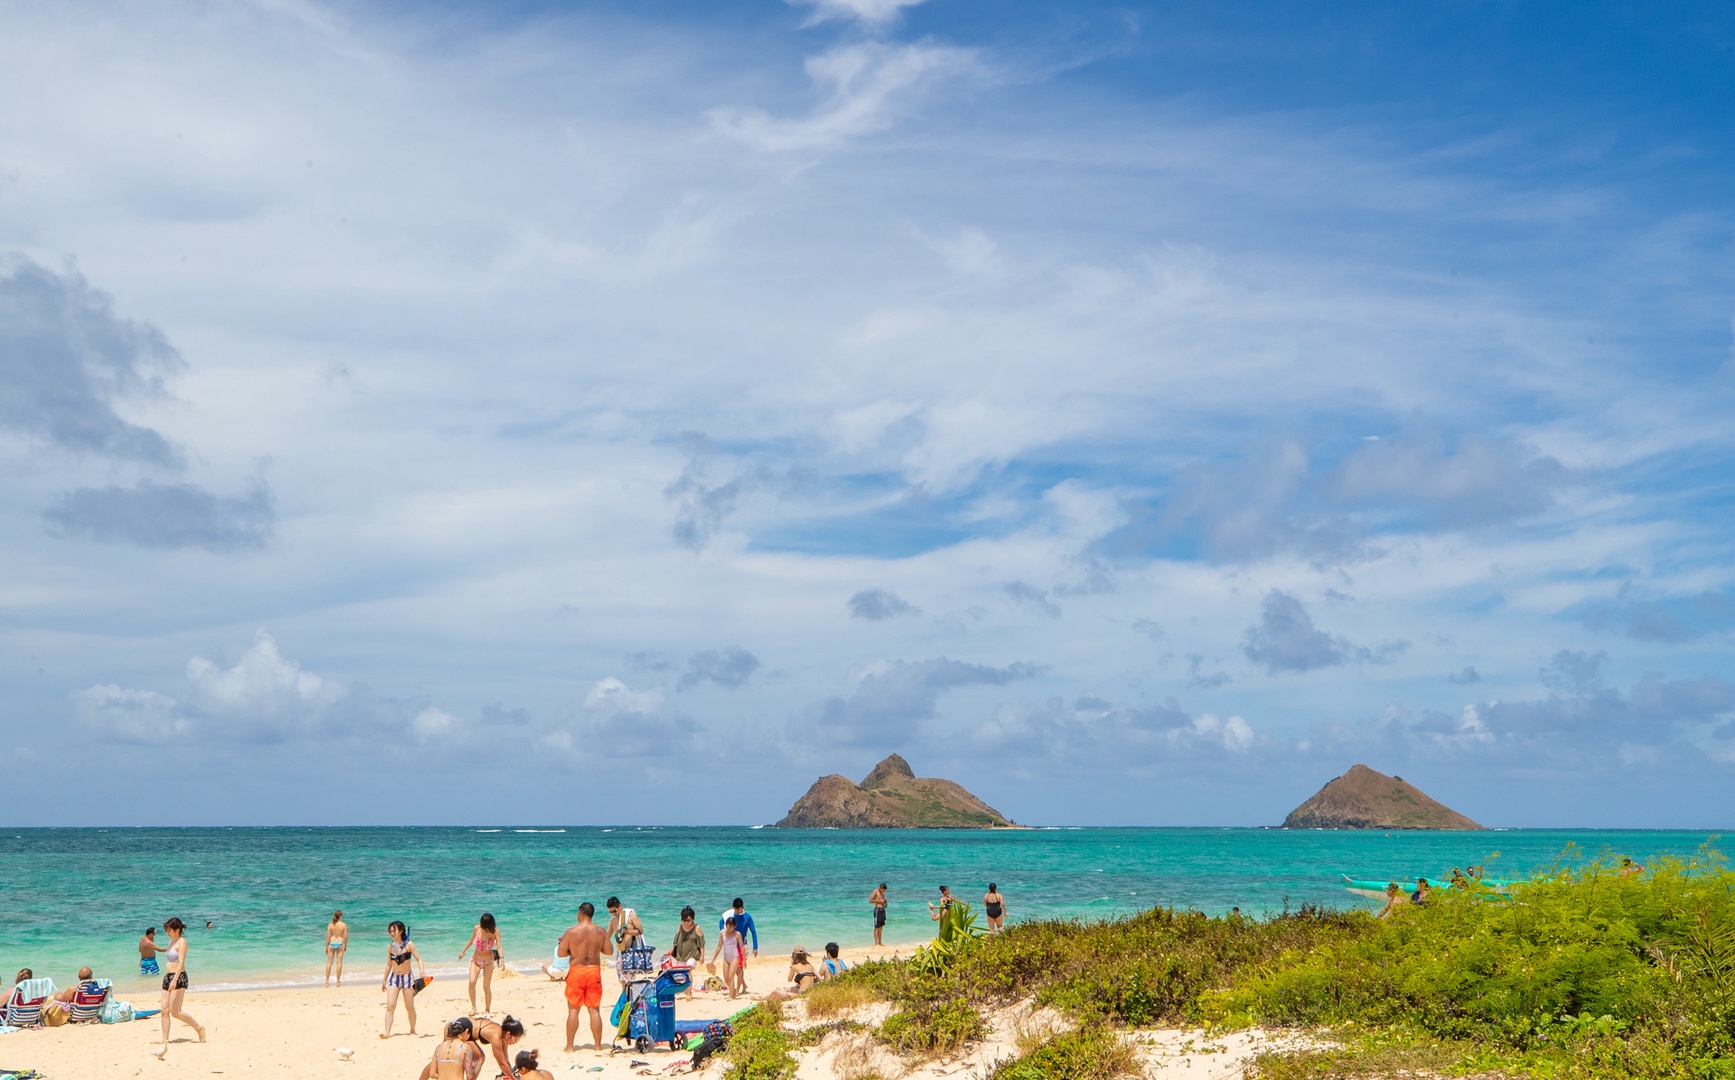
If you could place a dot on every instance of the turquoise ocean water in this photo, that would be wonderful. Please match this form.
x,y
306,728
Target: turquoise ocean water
x,y
82,896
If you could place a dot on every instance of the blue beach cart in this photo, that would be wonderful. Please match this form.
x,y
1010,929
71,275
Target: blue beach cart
x,y
649,1007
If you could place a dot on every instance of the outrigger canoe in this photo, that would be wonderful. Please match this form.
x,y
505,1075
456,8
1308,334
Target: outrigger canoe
x,y
1376,890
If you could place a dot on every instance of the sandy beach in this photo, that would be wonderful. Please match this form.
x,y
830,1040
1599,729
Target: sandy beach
x,y
299,1032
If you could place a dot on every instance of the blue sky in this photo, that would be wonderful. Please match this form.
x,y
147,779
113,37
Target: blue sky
x,y
1137,412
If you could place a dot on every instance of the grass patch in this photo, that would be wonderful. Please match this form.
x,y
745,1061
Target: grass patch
x,y
933,1028
1093,1052
839,995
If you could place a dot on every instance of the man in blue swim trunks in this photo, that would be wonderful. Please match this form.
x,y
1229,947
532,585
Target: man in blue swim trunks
x,y
148,950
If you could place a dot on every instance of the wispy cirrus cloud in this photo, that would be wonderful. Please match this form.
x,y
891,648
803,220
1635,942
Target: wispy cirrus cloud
x,y
862,85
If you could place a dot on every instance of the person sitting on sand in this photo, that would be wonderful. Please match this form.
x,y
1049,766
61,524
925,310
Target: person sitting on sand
x,y
148,950
525,1066
497,1036
832,965
801,973
86,984
1394,897
556,969
457,1057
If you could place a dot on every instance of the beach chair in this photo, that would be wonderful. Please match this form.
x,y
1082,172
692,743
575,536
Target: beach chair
x,y
86,1006
24,1007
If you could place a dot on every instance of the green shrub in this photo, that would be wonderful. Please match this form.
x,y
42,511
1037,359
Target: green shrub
x,y
760,1048
942,1028
1092,1052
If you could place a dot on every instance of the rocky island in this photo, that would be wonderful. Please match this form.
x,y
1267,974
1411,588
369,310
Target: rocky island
x,y
1365,799
891,797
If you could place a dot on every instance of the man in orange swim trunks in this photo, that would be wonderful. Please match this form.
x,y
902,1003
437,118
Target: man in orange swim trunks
x,y
585,943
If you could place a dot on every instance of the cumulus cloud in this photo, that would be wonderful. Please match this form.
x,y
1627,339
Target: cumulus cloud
x,y
861,83
167,516
1286,640
67,360
877,605
891,701
729,668
264,692
1030,598
263,697
620,722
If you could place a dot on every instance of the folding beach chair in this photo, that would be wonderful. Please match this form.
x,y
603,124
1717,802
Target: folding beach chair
x,y
24,1007
86,1005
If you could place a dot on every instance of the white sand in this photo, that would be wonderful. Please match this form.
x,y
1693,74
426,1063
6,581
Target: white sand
x,y
300,1032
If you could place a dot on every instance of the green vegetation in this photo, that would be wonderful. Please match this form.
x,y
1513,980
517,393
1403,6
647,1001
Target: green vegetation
x,y
1584,974
760,1047
1092,1052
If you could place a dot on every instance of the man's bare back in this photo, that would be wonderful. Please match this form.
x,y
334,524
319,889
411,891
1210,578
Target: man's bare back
x,y
585,943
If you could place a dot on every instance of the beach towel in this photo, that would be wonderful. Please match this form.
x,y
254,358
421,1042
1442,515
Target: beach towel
x,y
24,1007
88,1000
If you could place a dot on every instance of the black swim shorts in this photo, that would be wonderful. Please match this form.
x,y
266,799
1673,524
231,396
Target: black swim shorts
x,y
180,981
879,917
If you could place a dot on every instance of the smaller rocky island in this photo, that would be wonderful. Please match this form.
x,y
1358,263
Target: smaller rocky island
x,y
891,797
1365,799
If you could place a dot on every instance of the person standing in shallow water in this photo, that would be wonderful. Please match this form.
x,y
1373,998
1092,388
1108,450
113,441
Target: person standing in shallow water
x,y
877,898
336,944
175,983
148,950
994,906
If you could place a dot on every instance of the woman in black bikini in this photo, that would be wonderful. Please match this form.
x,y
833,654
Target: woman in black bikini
x,y
497,1036
175,982
994,906
397,982
801,971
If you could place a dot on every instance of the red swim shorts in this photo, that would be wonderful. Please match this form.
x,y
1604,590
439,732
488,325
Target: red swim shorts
x,y
583,986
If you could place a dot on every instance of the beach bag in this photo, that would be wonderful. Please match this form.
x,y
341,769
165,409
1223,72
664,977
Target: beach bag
x,y
53,1014
116,1012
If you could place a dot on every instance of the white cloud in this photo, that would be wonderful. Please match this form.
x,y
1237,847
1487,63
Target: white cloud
x,y
432,723
262,686
874,13
862,83
139,716
611,697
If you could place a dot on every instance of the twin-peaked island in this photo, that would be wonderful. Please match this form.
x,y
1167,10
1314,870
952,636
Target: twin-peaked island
x,y
894,797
